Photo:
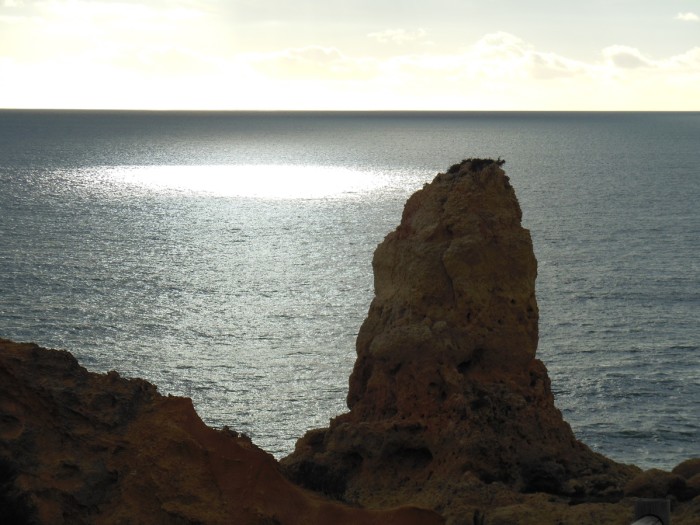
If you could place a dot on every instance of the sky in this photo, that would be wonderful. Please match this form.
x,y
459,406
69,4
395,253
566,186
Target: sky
x,y
351,54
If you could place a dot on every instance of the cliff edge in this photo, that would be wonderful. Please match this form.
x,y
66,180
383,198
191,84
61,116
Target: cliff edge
x,y
78,448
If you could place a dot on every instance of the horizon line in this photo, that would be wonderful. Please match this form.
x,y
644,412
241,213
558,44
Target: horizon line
x,y
338,111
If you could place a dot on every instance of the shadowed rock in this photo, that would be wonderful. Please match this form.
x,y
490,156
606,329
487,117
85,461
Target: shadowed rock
x,y
446,391
78,448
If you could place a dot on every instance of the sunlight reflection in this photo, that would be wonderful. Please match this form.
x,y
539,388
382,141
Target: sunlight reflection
x,y
255,181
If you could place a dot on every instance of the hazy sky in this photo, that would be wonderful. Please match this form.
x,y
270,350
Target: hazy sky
x,y
351,54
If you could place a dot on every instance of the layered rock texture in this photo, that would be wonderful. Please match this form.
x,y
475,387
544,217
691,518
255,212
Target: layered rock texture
x,y
449,409
79,448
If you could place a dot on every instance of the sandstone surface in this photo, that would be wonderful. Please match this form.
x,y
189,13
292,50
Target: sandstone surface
x,y
78,448
449,406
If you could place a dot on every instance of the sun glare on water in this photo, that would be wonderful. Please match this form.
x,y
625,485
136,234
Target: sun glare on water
x,y
252,181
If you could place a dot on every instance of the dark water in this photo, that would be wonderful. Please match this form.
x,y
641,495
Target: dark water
x,y
226,256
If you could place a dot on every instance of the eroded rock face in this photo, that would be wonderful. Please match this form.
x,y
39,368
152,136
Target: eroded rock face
x,y
449,409
78,447
446,391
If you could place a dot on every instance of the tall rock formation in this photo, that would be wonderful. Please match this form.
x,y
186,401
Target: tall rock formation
x,y
446,393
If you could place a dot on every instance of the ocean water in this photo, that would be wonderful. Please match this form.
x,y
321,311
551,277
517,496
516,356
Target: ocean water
x,y
227,256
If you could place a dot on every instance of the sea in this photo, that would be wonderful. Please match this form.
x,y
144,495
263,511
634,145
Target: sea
x,y
226,256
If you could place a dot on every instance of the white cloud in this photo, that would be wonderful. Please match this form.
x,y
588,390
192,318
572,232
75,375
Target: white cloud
x,y
626,57
501,44
688,17
161,36
506,55
499,70
399,36
688,60
180,63
549,66
313,62
122,18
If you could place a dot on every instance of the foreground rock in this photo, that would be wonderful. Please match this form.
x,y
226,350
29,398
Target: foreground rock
x,y
449,407
78,447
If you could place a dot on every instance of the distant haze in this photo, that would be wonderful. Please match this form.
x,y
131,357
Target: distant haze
x,y
350,54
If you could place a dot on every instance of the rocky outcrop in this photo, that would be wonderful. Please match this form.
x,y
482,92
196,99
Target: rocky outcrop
x,y
78,447
449,409
447,400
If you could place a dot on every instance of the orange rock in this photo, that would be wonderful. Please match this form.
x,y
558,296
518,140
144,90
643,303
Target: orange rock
x,y
446,383
78,447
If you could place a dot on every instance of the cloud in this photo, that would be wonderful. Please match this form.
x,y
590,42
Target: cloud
x,y
507,55
312,62
158,60
117,17
688,17
502,70
501,44
626,57
689,60
549,66
398,36
180,61
159,35
494,71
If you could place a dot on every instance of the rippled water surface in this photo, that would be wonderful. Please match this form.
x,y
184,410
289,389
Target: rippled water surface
x,y
227,257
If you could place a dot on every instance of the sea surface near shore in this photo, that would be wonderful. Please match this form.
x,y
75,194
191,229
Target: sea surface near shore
x,y
227,256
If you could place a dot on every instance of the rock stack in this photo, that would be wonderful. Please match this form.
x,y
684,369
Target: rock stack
x,y
446,393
